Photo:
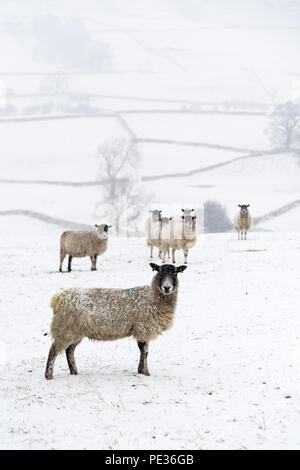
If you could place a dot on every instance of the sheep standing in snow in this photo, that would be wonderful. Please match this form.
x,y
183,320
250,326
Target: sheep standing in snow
x,y
180,234
108,314
243,221
153,230
78,244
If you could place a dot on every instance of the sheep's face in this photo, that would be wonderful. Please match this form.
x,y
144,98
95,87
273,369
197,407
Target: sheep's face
x,y
166,278
165,220
189,225
102,231
156,215
244,208
188,220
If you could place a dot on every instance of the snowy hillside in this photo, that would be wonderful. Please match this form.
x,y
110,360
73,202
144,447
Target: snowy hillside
x,y
220,164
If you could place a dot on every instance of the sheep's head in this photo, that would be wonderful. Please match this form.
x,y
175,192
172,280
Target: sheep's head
x,y
244,208
187,211
189,226
166,278
102,231
156,215
165,220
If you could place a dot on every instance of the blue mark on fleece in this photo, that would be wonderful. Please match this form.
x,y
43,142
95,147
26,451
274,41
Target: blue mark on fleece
x,y
129,291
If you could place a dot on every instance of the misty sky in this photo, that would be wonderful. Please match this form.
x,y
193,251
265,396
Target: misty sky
x,y
207,50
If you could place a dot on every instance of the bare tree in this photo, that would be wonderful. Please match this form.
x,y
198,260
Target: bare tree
x,y
284,128
56,85
216,218
123,194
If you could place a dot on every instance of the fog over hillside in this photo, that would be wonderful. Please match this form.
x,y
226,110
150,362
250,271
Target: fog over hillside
x,y
208,50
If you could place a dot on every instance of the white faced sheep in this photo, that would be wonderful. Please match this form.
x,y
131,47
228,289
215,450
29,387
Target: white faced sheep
x,y
153,230
181,234
243,221
78,244
108,314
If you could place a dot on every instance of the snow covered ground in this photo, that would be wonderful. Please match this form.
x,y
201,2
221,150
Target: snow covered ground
x,y
225,376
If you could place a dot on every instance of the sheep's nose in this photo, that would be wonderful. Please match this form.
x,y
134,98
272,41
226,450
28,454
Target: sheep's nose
x,y
167,289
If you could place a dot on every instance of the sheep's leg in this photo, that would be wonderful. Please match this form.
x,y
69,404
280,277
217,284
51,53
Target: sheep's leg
x,y
95,263
245,235
151,251
50,362
173,255
69,263
143,366
239,235
93,260
166,251
185,251
70,358
62,257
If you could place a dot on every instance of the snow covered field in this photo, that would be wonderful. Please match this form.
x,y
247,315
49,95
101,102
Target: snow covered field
x,y
247,132
225,376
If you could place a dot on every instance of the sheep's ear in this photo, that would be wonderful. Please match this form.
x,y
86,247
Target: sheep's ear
x,y
96,225
171,218
239,205
194,217
247,205
109,226
182,216
182,210
181,268
154,267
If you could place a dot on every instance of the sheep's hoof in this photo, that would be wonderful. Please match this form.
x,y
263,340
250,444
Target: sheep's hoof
x,y
74,372
144,372
48,377
93,269
69,270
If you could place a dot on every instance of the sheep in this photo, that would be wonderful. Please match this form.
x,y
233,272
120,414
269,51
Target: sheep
x,y
78,244
179,235
243,221
143,312
153,230
154,225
